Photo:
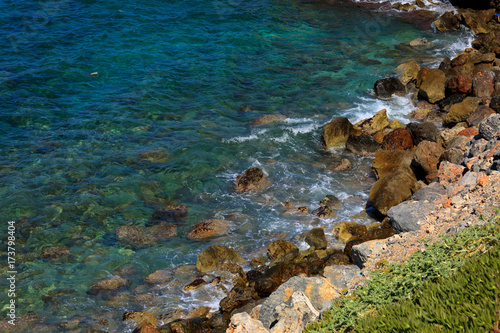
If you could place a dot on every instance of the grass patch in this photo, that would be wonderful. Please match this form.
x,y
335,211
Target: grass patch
x,y
401,282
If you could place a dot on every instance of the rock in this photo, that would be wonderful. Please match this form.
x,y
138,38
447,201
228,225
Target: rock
x,y
208,229
408,71
406,7
324,212
395,124
447,22
267,119
196,284
483,83
316,237
237,297
433,86
159,276
471,131
446,104
331,201
421,43
489,128
461,84
282,248
138,236
171,213
57,294
243,323
409,215
140,318
430,192
319,291
336,132
419,114
109,285
293,316
374,124
477,25
345,231
450,173
342,276
214,256
386,161
253,179
146,328
478,115
363,145
426,157
399,139
422,132
155,155
469,179
343,165
363,251
56,253
449,134
392,189
385,88
495,103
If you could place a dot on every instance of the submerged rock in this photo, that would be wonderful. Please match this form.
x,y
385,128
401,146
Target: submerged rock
x,y
139,236
251,180
171,213
56,253
109,285
214,256
267,119
208,229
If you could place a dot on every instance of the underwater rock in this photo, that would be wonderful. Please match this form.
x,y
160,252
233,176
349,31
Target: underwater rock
x,y
56,253
215,256
159,276
138,236
109,285
208,229
343,165
140,318
251,180
267,119
171,213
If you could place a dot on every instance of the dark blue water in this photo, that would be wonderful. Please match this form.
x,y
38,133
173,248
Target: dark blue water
x,y
88,88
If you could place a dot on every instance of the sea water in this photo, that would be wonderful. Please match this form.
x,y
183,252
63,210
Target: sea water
x,y
113,109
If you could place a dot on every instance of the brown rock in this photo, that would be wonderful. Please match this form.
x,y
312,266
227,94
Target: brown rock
x,y
251,180
267,119
155,155
363,144
477,25
419,114
447,22
433,86
336,132
159,276
385,88
199,312
408,71
208,229
56,253
426,157
450,173
343,165
459,84
171,213
139,236
459,112
395,124
345,231
483,83
214,256
374,124
481,113
386,161
280,248
316,238
469,132
399,139
146,328
324,212
198,283
109,285
237,297
140,318
243,323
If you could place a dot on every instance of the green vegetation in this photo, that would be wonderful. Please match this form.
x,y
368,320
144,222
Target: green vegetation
x,y
433,291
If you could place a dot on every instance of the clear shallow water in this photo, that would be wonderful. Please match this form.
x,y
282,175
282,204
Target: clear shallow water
x,y
172,76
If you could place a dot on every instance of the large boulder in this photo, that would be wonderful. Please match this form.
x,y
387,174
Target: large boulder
x,y
392,189
342,276
433,86
316,237
374,124
385,88
447,22
460,111
243,323
386,161
208,229
423,131
281,248
294,315
475,23
408,71
399,139
430,192
336,132
251,180
426,157
215,256
483,83
409,215
362,252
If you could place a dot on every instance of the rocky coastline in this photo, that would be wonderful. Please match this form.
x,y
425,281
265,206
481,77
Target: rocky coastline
x,y
438,174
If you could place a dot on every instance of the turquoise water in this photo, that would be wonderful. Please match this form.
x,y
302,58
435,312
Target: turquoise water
x,y
88,87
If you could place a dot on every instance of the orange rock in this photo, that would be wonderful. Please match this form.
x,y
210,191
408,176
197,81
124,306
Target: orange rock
x,y
483,180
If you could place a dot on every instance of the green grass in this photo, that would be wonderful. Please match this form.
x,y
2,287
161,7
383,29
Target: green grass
x,y
394,283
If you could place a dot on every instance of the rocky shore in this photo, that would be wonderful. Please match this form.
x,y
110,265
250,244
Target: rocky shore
x,y
436,175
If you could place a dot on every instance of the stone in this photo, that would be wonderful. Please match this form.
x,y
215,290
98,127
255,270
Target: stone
x,y
331,201
446,104
140,318
159,276
426,157
408,71
363,145
244,323
450,173
433,86
385,88
495,103
448,134
146,328
392,189
208,229
138,236
324,212
345,231
362,252
399,139
56,253
406,7
336,132
479,115
459,112
155,155
395,124
374,124
423,131
471,131
171,213
196,284
421,43
215,256
342,276
419,114
317,289
447,22
316,237
293,316
489,128
483,83
267,119
281,248
430,192
388,160
461,84
469,179
477,25
253,179
109,285
408,216
343,165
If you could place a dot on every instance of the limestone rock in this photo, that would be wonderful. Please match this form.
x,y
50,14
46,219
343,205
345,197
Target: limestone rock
x,y
214,256
316,237
243,323
374,124
267,119
408,71
432,88
430,192
336,132
251,180
342,276
489,128
385,88
293,316
363,251
408,216
208,229
399,139
419,114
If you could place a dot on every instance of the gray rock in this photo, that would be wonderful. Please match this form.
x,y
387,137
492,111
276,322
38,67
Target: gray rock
x,y
490,126
408,216
341,276
294,315
469,179
430,192
243,323
363,251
